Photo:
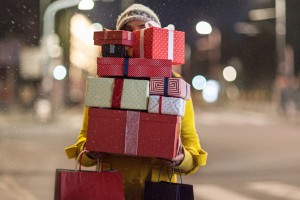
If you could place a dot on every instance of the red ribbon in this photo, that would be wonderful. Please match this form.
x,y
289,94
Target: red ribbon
x,y
117,93
159,104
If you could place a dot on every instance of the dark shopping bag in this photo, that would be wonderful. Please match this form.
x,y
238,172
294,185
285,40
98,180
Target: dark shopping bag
x,y
168,191
163,190
88,185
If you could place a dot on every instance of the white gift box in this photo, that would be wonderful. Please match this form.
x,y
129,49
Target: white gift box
x,y
166,105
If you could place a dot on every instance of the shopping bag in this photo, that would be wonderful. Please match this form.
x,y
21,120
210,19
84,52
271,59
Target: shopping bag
x,y
168,191
163,190
88,185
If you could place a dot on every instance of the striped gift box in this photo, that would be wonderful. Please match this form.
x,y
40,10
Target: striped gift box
x,y
174,87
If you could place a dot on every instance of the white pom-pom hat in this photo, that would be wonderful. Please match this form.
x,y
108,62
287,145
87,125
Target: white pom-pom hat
x,y
136,12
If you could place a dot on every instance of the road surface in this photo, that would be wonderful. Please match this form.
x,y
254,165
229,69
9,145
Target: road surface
x,y
252,155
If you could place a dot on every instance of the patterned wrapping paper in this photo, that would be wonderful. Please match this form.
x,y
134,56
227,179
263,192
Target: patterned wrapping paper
x,y
134,67
166,105
174,87
113,50
117,93
132,133
114,37
155,42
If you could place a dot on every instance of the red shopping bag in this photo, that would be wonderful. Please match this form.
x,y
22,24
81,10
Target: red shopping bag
x,y
88,185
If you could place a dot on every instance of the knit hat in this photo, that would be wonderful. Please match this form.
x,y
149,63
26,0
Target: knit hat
x,y
136,12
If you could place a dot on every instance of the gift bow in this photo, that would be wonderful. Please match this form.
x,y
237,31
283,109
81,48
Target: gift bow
x,y
171,29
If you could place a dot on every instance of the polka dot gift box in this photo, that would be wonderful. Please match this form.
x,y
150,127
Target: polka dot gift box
x,y
159,43
133,67
118,93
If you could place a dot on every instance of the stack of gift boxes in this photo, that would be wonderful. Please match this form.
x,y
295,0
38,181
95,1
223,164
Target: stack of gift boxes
x,y
135,105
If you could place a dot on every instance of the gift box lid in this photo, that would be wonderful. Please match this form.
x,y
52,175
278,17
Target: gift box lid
x,y
113,35
144,116
134,61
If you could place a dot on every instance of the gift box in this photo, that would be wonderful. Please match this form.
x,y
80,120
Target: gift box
x,y
117,93
132,133
159,43
113,50
114,37
174,87
134,67
166,105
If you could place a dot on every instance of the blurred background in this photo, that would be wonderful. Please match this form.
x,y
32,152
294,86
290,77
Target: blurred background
x,y
242,59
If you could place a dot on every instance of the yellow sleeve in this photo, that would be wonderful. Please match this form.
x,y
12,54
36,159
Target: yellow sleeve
x,y
195,156
74,150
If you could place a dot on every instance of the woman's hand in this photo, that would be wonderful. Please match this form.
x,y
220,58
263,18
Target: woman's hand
x,y
180,153
179,156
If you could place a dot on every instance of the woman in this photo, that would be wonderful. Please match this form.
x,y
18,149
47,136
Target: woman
x,y
137,170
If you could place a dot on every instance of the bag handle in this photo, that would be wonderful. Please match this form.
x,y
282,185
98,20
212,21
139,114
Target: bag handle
x,y
79,158
173,172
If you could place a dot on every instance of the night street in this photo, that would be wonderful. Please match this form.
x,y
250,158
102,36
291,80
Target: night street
x,y
236,62
252,155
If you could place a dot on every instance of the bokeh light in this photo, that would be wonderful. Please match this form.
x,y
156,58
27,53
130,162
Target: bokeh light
x,y
199,82
203,27
211,91
229,73
59,72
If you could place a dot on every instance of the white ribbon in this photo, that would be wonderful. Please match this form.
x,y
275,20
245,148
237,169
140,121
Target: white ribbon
x,y
129,35
171,29
132,132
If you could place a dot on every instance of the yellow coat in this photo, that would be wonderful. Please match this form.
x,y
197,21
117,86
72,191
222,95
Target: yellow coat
x,y
135,169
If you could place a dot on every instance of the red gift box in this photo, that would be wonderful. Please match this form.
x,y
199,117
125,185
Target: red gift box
x,y
114,37
134,67
174,87
159,43
132,133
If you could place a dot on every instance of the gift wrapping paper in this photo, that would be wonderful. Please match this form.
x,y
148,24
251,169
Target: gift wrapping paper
x,y
117,93
132,133
166,105
159,43
114,37
134,67
174,87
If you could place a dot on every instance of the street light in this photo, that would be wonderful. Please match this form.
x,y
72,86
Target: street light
x,y
50,41
53,8
86,5
204,28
